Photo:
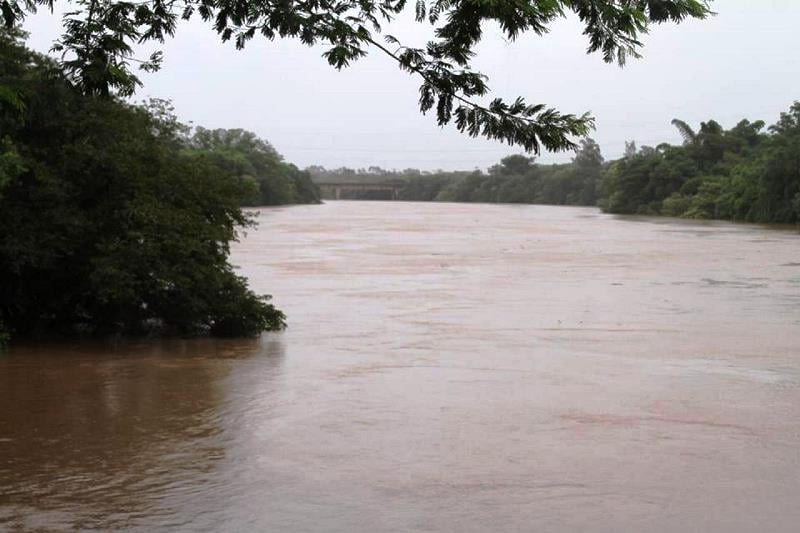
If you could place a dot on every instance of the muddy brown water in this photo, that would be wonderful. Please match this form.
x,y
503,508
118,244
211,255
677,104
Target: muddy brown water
x,y
447,368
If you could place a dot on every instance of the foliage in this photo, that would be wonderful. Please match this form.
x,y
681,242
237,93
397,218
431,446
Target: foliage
x,y
265,177
743,173
99,36
426,188
637,183
516,179
108,223
740,174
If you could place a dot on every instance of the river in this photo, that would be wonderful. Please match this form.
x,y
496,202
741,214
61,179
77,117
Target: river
x,y
448,367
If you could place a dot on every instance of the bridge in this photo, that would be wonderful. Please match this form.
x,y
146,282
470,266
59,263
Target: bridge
x,y
385,190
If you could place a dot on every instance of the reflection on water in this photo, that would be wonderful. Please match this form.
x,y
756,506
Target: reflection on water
x,y
448,367
101,435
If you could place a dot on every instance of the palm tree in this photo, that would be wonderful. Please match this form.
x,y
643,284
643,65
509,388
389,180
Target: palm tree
x,y
686,131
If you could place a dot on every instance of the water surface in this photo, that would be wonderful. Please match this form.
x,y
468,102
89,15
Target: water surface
x,y
448,367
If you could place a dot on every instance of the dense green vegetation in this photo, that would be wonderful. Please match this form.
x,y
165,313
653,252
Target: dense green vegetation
x,y
266,178
516,179
100,35
746,173
115,220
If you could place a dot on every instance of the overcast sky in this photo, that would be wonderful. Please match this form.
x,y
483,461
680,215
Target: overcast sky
x,y
742,63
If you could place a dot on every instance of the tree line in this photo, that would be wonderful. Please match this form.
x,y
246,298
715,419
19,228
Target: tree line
x,y
117,219
749,172
516,179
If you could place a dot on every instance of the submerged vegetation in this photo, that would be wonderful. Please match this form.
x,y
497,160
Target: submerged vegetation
x,y
117,219
747,173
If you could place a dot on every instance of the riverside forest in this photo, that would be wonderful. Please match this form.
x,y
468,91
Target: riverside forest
x,y
313,266
748,173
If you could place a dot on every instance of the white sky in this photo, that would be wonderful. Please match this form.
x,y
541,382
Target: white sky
x,y
743,63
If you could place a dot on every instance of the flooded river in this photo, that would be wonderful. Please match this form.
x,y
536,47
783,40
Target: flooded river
x,y
448,367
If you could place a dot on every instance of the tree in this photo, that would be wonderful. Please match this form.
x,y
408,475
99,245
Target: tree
x,y
587,166
267,178
780,181
686,131
99,38
108,224
630,148
706,146
512,164
747,134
